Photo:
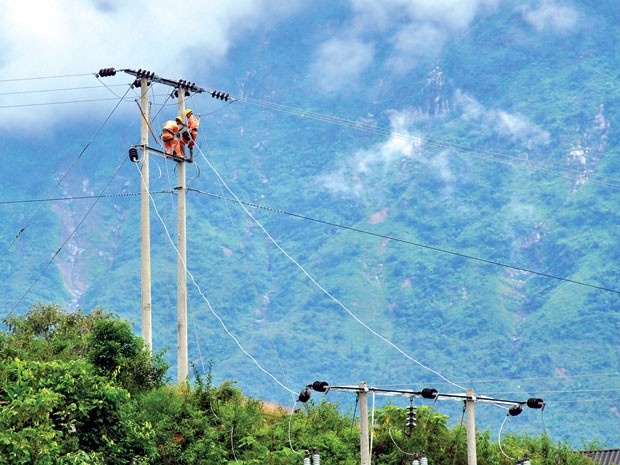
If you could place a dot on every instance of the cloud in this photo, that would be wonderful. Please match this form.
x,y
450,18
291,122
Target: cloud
x,y
68,37
340,62
503,123
551,15
364,168
417,31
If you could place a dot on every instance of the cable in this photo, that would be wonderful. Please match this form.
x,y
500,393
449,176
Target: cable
x,y
290,420
81,197
499,438
397,446
46,77
62,90
417,244
488,155
321,288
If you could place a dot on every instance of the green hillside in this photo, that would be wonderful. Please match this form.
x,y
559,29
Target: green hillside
x,y
448,222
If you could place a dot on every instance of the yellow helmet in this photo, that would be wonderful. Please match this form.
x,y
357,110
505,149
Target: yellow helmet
x,y
187,112
180,118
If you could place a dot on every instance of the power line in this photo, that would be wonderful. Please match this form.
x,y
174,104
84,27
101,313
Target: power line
x,y
46,77
57,90
416,244
82,197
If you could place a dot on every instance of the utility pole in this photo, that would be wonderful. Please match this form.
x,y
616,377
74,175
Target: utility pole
x,y
182,352
516,407
471,426
145,230
364,443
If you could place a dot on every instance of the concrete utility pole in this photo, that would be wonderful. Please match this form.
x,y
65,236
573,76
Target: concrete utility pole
x,y
182,353
364,440
471,427
145,221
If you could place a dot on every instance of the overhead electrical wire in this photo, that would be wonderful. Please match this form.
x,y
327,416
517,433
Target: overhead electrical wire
x,y
488,155
38,78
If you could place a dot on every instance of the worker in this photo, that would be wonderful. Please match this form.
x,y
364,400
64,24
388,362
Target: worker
x,y
183,134
192,125
168,136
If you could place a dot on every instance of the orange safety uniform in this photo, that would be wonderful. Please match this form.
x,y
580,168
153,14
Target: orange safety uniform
x,y
168,137
192,125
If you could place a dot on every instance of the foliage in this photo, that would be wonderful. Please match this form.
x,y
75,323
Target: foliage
x,y
75,410
116,351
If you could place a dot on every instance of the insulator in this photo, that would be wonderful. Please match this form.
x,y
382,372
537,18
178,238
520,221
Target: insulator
x,y
526,460
411,419
424,460
105,72
220,95
416,461
534,402
175,93
133,155
307,458
515,410
316,458
304,395
320,386
429,393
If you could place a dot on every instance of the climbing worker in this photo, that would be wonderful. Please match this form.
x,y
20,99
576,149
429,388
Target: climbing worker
x,y
182,135
192,125
168,137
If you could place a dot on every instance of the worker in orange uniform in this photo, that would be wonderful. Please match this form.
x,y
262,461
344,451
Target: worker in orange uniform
x,y
192,126
168,137
182,135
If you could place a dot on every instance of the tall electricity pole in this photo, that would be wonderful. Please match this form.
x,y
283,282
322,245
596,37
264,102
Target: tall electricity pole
x,y
145,221
182,352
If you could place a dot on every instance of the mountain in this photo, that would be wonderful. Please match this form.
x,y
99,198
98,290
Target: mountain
x,y
371,206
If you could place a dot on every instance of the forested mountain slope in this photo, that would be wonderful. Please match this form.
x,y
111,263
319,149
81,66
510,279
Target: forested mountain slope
x,y
371,206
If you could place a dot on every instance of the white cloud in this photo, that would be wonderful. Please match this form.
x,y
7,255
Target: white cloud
x,y
552,15
417,29
65,37
364,168
503,123
340,62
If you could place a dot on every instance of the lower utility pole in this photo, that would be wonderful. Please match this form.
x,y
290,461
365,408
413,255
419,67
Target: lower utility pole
x,y
182,352
145,222
471,427
364,442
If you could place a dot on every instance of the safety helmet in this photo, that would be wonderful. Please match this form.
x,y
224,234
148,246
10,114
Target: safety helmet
x,y
187,112
180,118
